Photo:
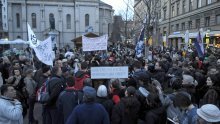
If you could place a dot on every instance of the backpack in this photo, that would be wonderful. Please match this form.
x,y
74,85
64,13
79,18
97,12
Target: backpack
x,y
42,94
78,96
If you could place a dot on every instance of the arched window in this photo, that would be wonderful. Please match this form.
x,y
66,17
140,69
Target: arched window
x,y
68,21
52,21
87,20
18,20
34,20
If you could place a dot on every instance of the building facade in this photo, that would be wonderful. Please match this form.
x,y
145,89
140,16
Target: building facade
x,y
175,17
62,19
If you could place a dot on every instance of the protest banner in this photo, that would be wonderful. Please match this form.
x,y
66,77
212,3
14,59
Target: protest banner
x,y
32,39
94,44
44,52
109,72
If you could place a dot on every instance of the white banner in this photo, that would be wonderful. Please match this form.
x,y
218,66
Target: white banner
x,y
109,72
32,39
94,44
44,52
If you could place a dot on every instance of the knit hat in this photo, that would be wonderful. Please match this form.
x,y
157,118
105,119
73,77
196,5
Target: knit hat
x,y
188,79
89,92
102,91
45,69
209,113
131,91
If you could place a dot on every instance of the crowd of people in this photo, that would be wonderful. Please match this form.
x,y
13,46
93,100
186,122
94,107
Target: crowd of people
x,y
171,87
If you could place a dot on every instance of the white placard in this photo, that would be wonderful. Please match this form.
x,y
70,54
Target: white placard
x,y
109,72
94,44
44,52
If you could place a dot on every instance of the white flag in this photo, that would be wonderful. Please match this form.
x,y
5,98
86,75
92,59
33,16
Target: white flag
x,y
44,52
32,39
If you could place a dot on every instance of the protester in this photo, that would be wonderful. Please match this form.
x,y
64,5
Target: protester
x,y
183,101
89,112
103,99
31,86
68,100
56,86
208,114
126,111
11,108
80,76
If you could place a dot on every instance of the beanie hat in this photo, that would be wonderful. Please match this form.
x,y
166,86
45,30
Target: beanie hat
x,y
102,91
89,92
45,69
209,113
131,91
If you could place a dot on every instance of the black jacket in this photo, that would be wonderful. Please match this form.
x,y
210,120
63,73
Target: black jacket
x,y
107,103
156,116
67,101
125,115
56,86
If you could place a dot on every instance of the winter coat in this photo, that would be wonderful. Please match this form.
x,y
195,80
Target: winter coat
x,y
56,86
156,116
89,113
80,76
123,115
67,101
1,79
159,75
30,86
212,96
10,111
107,103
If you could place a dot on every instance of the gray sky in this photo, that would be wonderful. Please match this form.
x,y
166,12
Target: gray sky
x,y
118,5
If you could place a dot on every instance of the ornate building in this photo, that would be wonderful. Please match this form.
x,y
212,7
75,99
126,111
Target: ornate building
x,y
62,19
175,17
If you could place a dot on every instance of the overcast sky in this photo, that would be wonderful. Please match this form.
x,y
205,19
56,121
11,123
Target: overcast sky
x,y
118,5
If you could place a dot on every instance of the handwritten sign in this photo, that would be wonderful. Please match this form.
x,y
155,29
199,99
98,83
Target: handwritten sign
x,y
94,44
44,51
109,72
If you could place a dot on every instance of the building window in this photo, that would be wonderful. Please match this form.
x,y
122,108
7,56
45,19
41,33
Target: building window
x,y
177,27
208,2
178,9
207,21
190,25
184,6
183,26
197,23
164,13
172,28
34,20
68,21
217,19
52,21
190,5
173,11
87,20
18,20
199,3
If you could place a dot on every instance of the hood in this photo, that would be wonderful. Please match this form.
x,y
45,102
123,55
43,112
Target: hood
x,y
79,74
